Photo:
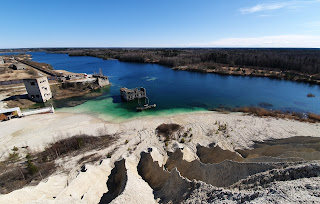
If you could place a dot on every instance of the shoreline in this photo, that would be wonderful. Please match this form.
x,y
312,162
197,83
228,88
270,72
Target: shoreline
x,y
223,69
225,72
244,110
109,118
62,124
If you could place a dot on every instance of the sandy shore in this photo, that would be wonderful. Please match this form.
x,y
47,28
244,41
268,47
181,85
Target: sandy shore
x,y
38,130
77,187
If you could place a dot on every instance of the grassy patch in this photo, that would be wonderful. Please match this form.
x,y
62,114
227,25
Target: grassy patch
x,y
17,172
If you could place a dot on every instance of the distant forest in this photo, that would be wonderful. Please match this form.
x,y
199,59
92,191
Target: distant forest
x,y
283,63
306,61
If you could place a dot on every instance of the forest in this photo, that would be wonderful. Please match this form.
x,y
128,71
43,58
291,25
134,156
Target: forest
x,y
300,60
285,63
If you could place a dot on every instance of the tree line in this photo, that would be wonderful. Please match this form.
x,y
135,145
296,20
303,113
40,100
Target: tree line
x,y
306,61
301,60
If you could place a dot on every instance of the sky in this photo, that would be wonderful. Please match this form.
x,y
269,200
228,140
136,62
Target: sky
x,y
159,23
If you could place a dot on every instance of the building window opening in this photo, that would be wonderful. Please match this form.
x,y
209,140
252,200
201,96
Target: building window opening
x,y
32,83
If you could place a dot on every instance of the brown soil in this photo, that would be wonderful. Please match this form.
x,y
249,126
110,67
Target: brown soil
x,y
151,172
21,103
68,90
222,174
116,182
216,155
10,74
62,94
304,148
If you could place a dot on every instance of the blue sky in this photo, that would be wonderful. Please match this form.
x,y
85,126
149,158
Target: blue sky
x,y
159,23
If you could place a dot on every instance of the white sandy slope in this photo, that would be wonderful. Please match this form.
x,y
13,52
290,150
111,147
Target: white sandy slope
x,y
69,185
38,130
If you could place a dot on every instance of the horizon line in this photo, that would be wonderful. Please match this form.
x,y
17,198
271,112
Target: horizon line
x,y
160,48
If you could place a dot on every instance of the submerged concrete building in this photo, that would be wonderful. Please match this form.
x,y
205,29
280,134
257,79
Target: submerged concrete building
x,y
131,94
38,89
101,80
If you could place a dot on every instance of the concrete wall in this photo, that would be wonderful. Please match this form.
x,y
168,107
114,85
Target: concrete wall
x,y
19,66
38,89
103,82
131,94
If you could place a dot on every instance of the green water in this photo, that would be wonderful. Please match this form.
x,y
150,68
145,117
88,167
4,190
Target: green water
x,y
114,112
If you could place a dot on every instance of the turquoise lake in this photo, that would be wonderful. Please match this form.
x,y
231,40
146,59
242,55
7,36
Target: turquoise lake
x,y
179,91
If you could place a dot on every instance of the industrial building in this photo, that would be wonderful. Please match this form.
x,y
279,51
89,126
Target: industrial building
x,y
18,66
131,94
38,89
101,80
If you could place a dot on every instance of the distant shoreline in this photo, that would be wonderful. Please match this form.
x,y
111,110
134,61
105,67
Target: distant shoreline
x,y
143,56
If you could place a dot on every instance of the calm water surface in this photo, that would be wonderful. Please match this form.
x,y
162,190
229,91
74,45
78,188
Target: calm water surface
x,y
180,91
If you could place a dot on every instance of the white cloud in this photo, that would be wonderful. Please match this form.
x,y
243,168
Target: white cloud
x,y
285,41
263,7
276,6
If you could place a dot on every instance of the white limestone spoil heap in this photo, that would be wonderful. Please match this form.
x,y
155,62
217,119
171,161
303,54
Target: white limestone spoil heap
x,y
73,183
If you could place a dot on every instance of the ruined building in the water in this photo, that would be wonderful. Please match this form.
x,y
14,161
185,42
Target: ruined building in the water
x,y
131,94
101,80
38,89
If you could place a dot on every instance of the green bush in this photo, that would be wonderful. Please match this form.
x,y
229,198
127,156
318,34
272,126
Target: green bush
x,y
109,155
222,127
13,156
32,168
80,142
28,156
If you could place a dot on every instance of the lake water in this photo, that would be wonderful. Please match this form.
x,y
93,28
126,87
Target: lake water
x,y
179,91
